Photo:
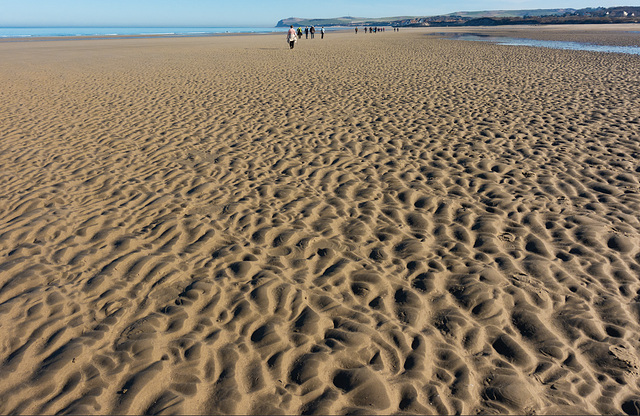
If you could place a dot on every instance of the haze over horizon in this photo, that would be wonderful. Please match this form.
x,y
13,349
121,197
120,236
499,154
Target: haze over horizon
x,y
243,13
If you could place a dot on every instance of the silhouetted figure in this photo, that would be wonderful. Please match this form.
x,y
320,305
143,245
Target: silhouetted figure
x,y
306,32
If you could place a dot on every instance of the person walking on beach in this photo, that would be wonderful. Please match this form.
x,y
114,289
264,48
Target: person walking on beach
x,y
322,33
292,37
306,32
299,32
356,30
312,31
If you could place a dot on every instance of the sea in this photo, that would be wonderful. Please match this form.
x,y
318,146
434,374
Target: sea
x,y
46,32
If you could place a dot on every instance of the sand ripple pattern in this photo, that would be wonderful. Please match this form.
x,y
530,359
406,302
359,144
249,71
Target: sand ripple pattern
x,y
381,224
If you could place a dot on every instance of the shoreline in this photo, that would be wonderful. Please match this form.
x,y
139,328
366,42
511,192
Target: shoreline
x,y
569,32
23,38
600,34
109,37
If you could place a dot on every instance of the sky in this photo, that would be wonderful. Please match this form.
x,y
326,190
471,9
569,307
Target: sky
x,y
265,13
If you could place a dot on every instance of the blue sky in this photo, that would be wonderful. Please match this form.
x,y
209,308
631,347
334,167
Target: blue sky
x,y
244,12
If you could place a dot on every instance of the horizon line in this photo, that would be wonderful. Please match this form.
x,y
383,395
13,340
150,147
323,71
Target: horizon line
x,y
126,26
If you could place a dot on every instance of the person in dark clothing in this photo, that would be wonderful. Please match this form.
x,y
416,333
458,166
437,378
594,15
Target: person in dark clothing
x,y
312,31
306,32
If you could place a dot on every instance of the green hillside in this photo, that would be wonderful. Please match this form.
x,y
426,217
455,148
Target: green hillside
x,y
513,13
619,14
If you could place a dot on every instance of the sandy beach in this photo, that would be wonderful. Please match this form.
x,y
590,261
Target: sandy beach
x,y
390,223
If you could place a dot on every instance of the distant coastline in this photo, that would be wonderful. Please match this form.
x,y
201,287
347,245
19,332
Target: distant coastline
x,y
600,15
620,14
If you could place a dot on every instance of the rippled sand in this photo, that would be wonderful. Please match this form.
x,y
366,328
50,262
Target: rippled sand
x,y
380,223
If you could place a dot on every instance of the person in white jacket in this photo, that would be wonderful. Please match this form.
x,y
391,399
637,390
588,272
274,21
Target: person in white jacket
x,y
292,37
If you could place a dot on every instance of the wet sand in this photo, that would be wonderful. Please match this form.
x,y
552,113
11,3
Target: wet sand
x,y
606,34
373,223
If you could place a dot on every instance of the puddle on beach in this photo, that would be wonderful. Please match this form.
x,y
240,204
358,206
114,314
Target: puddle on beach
x,y
553,44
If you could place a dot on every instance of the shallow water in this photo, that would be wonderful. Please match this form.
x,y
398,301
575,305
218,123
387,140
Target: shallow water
x,y
553,44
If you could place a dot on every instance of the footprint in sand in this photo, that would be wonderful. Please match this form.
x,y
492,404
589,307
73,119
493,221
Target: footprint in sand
x,y
507,237
627,357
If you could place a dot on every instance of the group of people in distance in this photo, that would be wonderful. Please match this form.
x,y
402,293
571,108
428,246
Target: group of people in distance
x,y
376,29
293,35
